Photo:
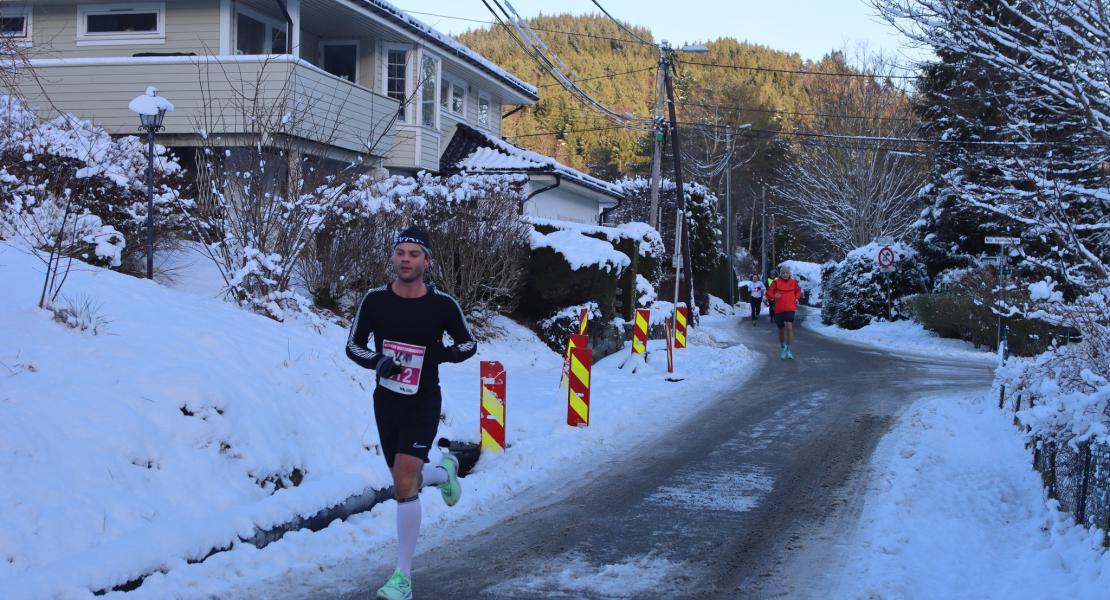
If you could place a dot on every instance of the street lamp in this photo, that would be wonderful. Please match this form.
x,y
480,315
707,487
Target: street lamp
x,y
151,109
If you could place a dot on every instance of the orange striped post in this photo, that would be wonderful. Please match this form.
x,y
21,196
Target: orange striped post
x,y
492,376
640,332
573,341
578,395
583,321
681,315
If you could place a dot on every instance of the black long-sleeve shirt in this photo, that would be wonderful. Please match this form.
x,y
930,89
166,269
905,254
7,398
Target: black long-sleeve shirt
x,y
410,330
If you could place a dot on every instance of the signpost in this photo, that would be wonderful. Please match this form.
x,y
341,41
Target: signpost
x,y
886,259
1003,243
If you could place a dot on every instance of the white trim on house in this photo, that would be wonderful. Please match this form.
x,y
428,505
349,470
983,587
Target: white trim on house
x,y
227,19
434,80
358,54
120,38
409,115
484,95
24,12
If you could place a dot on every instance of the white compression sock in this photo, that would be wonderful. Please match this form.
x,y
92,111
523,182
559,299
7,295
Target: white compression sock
x,y
433,475
408,528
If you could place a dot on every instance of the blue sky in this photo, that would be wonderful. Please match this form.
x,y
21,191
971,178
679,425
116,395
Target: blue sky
x,y
809,27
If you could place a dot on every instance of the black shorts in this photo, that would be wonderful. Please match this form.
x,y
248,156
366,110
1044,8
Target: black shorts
x,y
782,318
407,424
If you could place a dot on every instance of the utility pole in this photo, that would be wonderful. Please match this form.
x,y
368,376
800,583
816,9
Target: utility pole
x,y
728,236
763,234
657,135
682,263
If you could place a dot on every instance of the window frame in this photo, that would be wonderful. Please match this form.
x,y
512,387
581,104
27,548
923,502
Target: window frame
x,y
120,38
434,81
270,22
358,56
453,81
407,116
488,97
24,12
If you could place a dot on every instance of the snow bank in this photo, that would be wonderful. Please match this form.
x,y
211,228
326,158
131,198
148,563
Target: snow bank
x,y
808,275
905,337
954,511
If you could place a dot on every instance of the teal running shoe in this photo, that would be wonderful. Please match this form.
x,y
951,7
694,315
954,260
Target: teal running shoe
x,y
452,490
789,353
398,587
782,352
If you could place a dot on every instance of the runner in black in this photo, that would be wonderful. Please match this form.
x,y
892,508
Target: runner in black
x,y
406,321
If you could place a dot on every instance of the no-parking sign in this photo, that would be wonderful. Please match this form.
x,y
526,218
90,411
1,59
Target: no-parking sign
x,y
886,259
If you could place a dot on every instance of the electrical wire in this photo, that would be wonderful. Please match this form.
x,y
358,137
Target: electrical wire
x,y
619,24
545,30
795,71
651,68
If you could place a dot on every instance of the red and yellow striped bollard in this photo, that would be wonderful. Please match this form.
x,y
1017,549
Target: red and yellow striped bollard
x,y
583,321
681,315
670,346
573,341
578,394
492,376
640,331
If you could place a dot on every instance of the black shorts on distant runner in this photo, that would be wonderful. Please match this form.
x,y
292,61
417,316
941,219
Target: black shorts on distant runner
x,y
407,424
782,318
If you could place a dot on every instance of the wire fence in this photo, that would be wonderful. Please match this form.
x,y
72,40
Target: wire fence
x,y
1077,476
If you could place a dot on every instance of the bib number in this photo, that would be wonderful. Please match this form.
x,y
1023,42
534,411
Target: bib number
x,y
410,359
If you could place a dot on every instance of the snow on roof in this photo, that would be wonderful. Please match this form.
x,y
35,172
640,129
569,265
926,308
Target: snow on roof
x,y
499,155
452,44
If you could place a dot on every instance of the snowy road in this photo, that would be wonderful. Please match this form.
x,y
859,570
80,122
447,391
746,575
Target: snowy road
x,y
747,499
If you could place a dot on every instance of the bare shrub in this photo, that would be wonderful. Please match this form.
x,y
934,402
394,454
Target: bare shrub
x,y
81,313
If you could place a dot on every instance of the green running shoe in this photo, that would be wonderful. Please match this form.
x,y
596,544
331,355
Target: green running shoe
x,y
782,352
452,490
398,587
789,353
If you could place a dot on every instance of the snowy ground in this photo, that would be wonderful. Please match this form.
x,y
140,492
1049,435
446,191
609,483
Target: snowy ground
x,y
902,337
955,511
127,452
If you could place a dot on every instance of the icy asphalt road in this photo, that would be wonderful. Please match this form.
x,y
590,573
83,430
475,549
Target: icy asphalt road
x,y
747,499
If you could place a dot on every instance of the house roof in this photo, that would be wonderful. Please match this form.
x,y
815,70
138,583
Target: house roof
x,y
445,42
476,151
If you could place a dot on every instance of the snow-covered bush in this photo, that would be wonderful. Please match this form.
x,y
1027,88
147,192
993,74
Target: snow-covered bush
x,y
568,268
71,190
555,329
809,277
857,292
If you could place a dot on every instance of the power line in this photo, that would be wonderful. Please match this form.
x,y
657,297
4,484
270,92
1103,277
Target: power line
x,y
796,113
794,71
566,131
651,68
619,24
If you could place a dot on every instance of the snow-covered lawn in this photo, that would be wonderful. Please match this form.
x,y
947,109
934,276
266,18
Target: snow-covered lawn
x,y
131,451
903,337
956,511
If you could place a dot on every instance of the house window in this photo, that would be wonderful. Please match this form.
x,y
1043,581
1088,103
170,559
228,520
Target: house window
x,y
257,34
429,76
134,23
16,23
341,59
395,84
452,96
485,118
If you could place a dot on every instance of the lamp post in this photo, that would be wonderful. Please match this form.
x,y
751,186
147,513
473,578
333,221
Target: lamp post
x,y
151,109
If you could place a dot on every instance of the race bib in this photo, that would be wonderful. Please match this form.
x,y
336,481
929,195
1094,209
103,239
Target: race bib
x,y
410,359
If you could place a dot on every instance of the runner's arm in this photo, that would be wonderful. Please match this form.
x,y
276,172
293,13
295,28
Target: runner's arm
x,y
464,346
358,341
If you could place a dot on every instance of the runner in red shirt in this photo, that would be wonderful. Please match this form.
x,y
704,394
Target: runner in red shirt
x,y
785,293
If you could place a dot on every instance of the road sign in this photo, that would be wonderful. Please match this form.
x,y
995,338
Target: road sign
x,y
1002,241
884,241
886,257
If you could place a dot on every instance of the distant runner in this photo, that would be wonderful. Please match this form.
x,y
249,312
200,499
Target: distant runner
x,y
406,320
785,293
756,290
770,300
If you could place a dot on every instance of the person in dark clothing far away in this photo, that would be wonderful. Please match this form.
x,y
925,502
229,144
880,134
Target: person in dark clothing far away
x,y
785,293
756,290
770,300
398,333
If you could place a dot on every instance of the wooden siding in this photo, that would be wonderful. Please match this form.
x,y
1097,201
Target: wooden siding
x,y
335,112
191,26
